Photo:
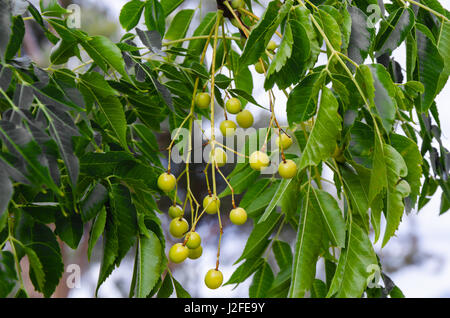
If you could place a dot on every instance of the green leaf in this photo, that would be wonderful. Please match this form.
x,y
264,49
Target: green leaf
x,y
22,144
284,184
195,47
93,202
319,289
326,131
413,160
15,41
131,14
180,291
166,289
356,185
330,27
105,54
258,238
307,248
302,100
396,168
431,66
393,31
352,273
302,15
245,270
384,97
283,254
36,269
46,247
443,45
5,24
96,231
95,88
262,33
292,53
51,8
64,50
255,208
254,193
170,5
110,251
179,25
125,218
154,16
6,191
149,260
69,229
241,181
245,95
361,35
262,281
62,130
281,283
332,218
8,276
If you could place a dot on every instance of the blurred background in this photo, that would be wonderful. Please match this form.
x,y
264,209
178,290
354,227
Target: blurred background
x,y
417,259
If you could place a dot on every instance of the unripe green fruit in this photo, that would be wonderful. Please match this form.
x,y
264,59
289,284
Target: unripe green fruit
x,y
195,253
228,128
175,211
211,204
213,279
193,240
286,141
271,46
178,227
237,4
244,118
233,105
259,67
167,182
238,216
287,169
259,160
202,100
178,253
220,156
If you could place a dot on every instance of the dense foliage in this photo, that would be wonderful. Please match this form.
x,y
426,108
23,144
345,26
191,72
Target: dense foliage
x,y
79,146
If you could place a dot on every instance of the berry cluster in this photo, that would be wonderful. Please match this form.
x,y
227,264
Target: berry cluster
x,y
191,247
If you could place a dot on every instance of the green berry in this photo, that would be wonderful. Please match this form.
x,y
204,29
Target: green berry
x,y
286,141
211,204
195,253
228,128
167,182
260,68
287,169
237,4
271,46
238,216
202,100
244,119
193,240
213,279
259,160
178,227
220,156
178,253
175,211
233,105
